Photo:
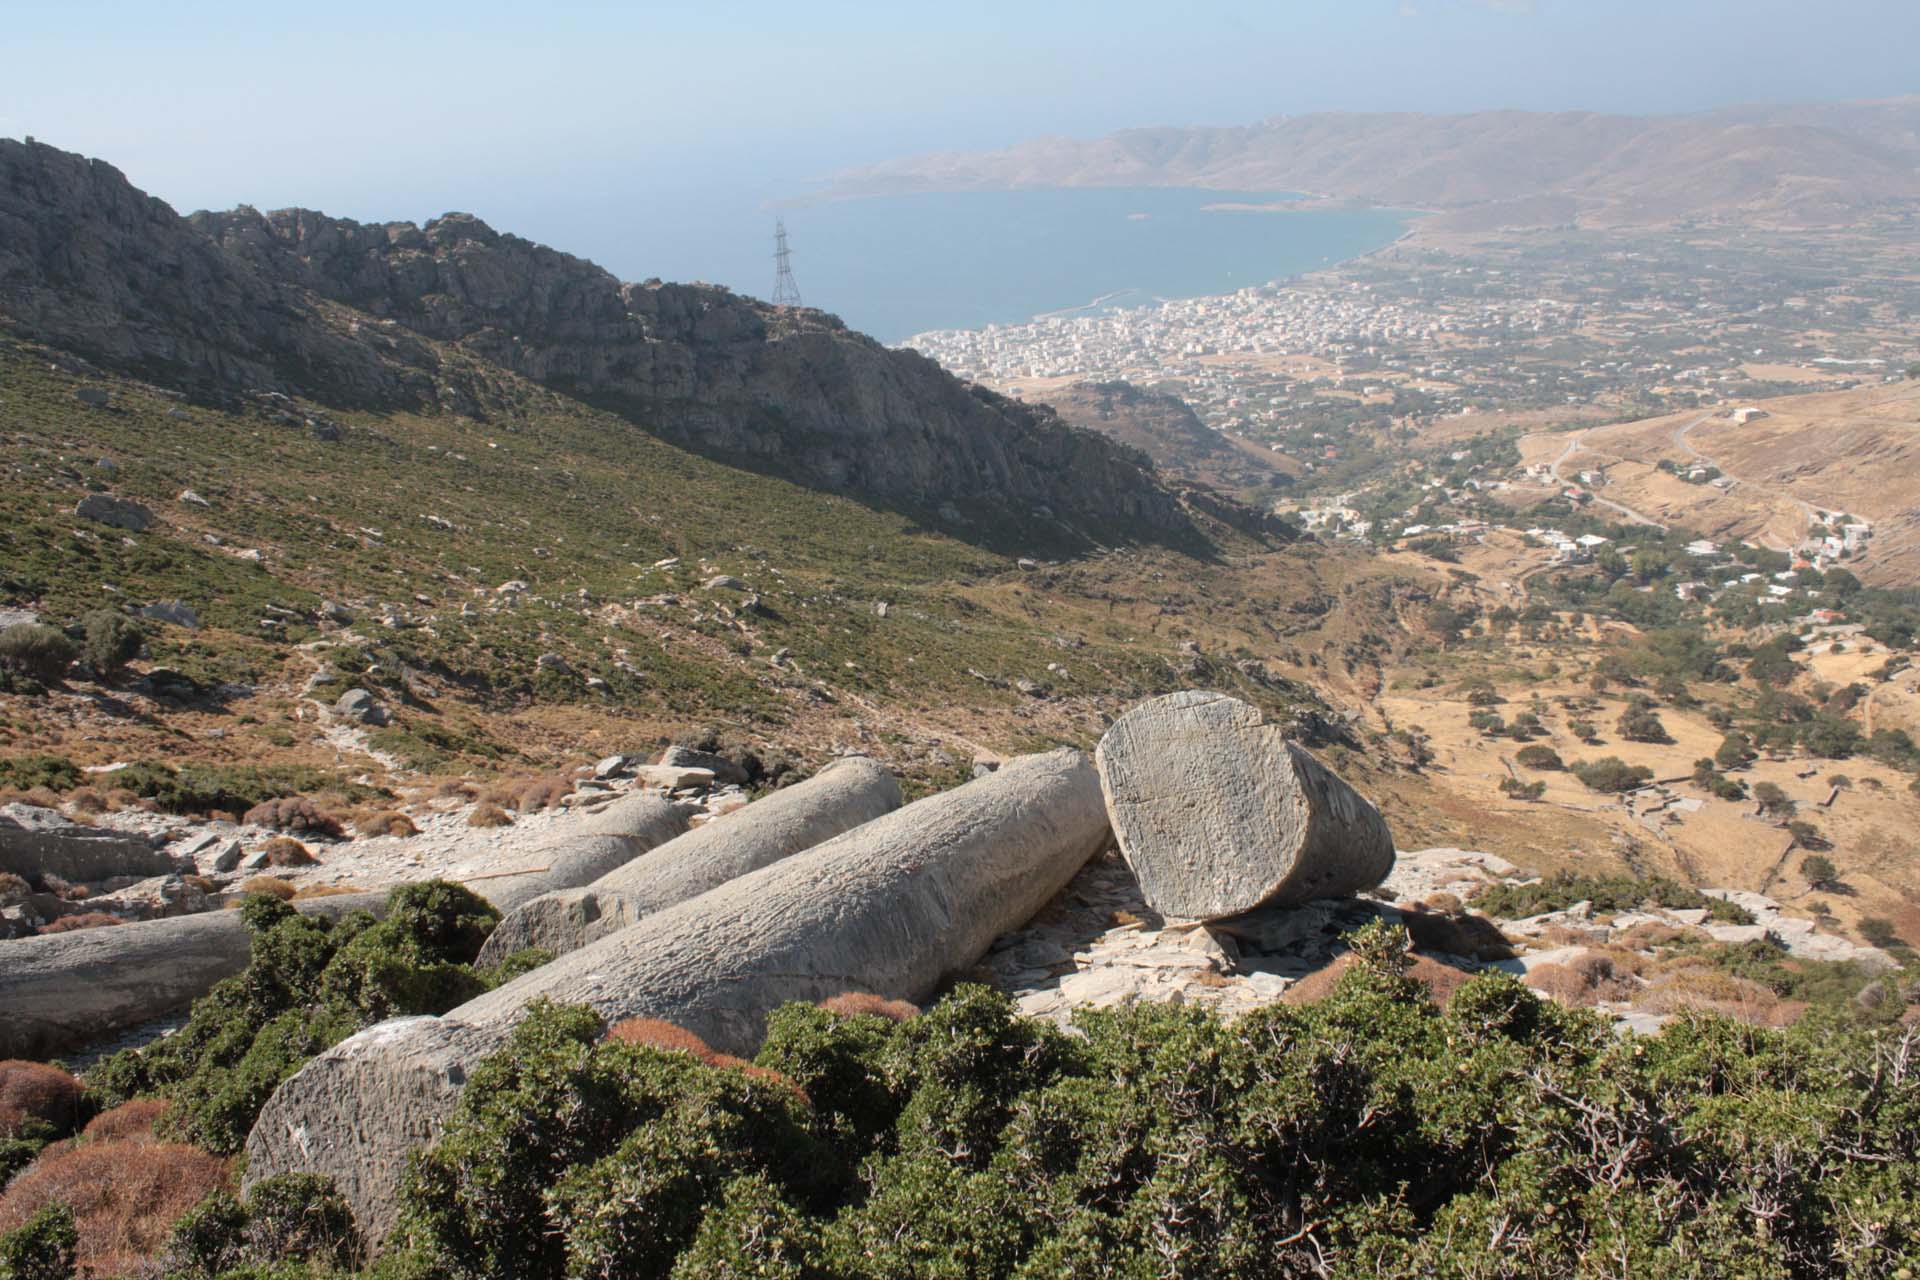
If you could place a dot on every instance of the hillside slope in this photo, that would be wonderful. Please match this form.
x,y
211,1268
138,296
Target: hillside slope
x,y
1166,429
1813,166
349,315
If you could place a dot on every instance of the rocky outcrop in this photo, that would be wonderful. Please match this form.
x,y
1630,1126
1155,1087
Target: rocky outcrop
x,y
705,367
36,842
93,265
1217,813
339,311
889,907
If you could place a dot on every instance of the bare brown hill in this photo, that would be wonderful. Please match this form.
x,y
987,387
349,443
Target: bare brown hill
x,y
1855,451
1819,165
1166,429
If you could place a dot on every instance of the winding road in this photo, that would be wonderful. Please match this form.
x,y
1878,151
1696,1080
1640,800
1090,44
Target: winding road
x,y
1633,517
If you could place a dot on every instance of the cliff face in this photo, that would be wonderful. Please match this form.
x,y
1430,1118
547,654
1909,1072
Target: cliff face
x,y
335,310
703,366
91,264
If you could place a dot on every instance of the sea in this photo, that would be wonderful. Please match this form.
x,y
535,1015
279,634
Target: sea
x,y
894,266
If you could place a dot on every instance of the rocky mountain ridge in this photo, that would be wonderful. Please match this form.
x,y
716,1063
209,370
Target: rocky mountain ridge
x,y
363,315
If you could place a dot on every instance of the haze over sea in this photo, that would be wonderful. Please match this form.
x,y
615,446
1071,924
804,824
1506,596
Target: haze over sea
x,y
894,266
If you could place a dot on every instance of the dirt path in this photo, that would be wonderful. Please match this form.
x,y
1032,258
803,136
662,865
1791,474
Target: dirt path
x,y
1573,447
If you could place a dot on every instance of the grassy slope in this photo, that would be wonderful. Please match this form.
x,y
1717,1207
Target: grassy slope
x,y
578,505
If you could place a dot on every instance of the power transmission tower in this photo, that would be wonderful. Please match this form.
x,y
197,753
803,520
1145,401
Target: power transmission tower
x,y
786,293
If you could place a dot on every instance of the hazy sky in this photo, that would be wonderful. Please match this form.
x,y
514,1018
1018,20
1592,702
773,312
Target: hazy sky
x,y
609,129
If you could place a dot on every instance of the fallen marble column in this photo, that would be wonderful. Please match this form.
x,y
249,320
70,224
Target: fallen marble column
x,y
60,991
839,798
1217,813
891,907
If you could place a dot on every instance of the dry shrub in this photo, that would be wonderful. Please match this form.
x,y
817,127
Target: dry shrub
x,y
488,815
221,815
854,1003
128,1122
121,798
12,888
1212,978
268,884
1118,918
294,813
1589,978
284,851
201,883
454,789
87,800
504,794
387,823
124,1195
85,920
1557,982
1649,934
39,797
1565,935
660,1035
324,891
72,892
37,1091
543,793
1458,935
1441,980
1446,904
1709,990
766,1075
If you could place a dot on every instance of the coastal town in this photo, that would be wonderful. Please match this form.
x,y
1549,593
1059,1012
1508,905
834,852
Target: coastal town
x,y
1413,335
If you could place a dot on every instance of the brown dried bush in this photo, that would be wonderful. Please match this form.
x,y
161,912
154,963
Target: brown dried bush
x,y
324,891
1441,980
37,1091
504,794
39,797
767,1075
268,884
1446,904
124,1195
1649,934
201,883
121,798
87,800
543,793
854,1003
294,813
386,823
85,920
284,851
1698,987
1557,982
128,1122
454,789
488,815
1566,935
12,888
660,1035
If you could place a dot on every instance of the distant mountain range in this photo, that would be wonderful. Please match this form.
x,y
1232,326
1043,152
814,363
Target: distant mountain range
x,y
1791,166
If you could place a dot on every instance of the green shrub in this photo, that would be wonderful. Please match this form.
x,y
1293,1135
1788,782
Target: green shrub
x,y
1538,756
308,985
1606,893
288,1219
1611,774
42,1248
36,652
24,773
112,640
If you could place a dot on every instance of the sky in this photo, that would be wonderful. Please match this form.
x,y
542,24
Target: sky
x,y
617,130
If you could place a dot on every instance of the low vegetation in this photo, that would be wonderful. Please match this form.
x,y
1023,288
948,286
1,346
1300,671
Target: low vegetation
x,y
309,985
